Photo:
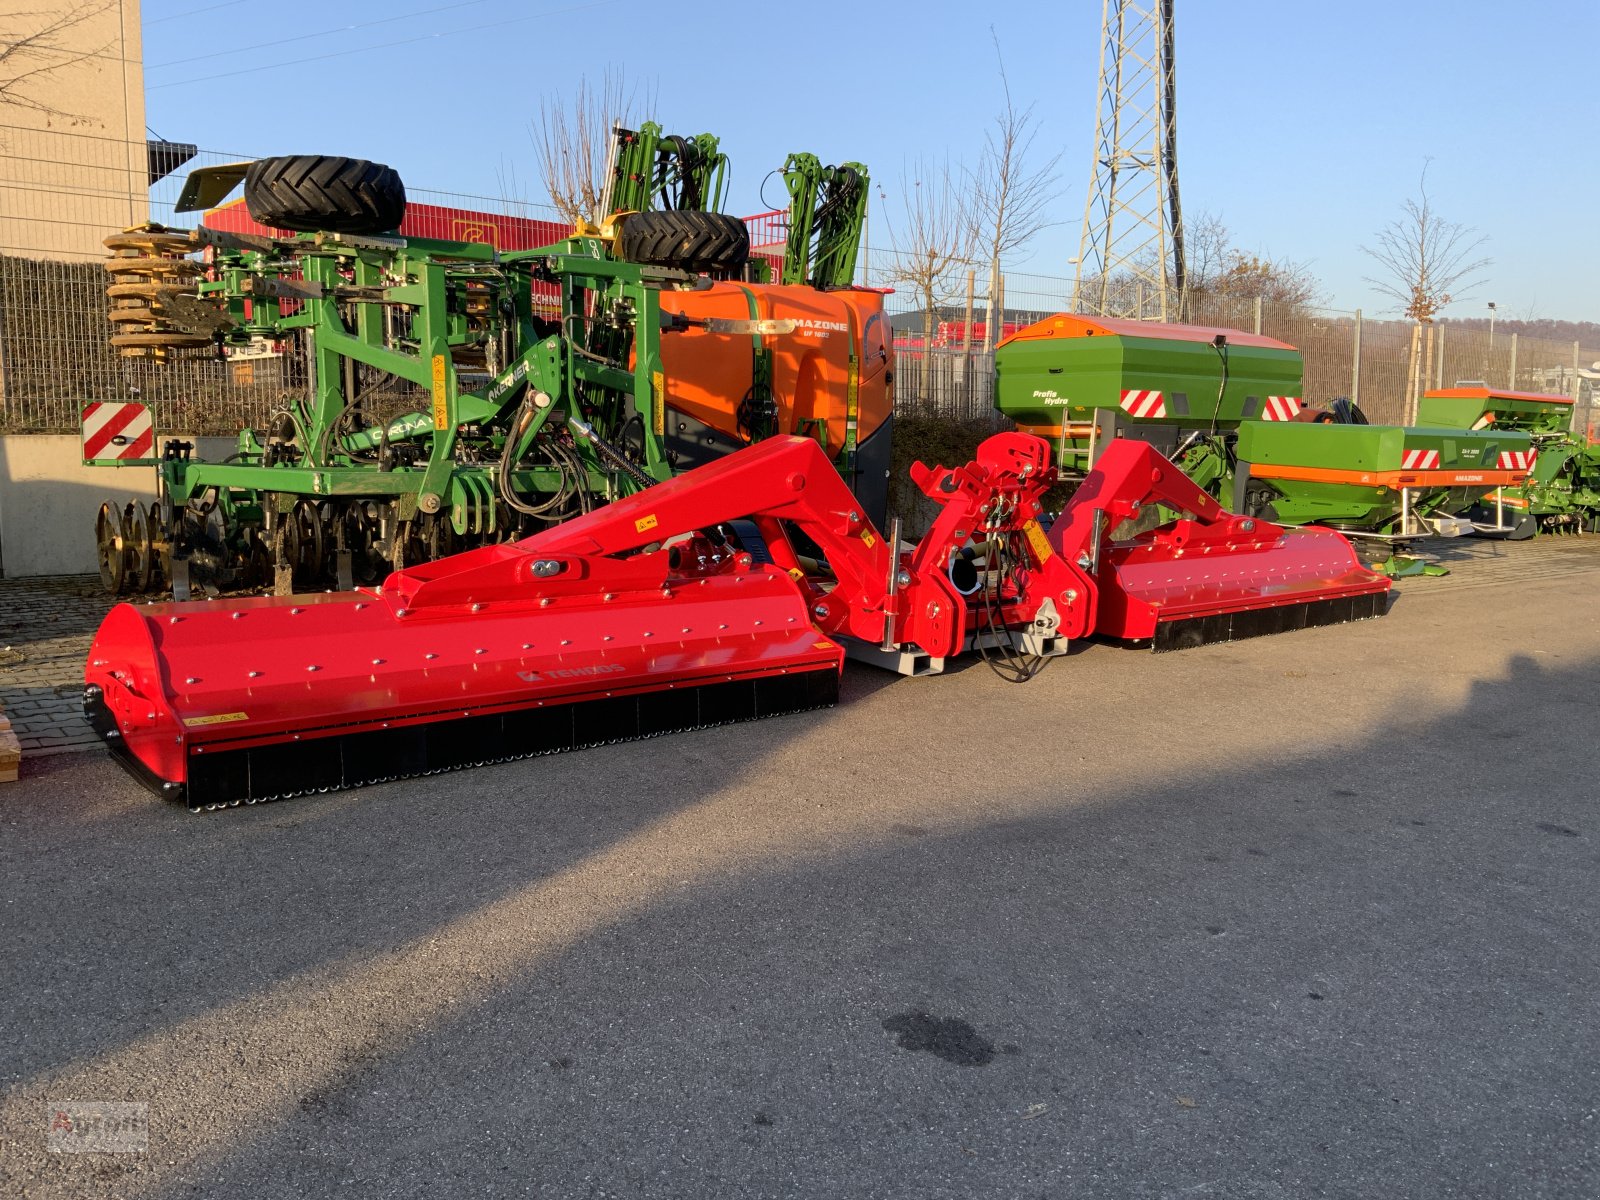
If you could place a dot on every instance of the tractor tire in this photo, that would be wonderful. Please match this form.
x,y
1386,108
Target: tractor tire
x,y
687,240
312,193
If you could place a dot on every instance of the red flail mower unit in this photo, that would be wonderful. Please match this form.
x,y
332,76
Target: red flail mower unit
x,y
732,592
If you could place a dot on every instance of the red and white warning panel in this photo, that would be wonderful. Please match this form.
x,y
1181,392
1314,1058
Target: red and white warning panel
x,y
1517,460
1280,408
115,432
1419,460
1144,404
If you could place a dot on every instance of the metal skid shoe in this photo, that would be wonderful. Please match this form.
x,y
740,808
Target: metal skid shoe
x,y
647,617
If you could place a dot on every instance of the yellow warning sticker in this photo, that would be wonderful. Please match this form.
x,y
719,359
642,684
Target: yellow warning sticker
x,y
796,574
441,402
658,388
644,523
1037,539
823,646
868,539
215,719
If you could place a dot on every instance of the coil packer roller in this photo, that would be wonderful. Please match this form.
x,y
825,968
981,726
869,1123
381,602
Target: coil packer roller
x,y
652,616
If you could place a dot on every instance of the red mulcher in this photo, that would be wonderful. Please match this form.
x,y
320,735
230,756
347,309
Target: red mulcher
x,y
732,592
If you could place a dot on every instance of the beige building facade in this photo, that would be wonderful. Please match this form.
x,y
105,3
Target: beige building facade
x,y
74,162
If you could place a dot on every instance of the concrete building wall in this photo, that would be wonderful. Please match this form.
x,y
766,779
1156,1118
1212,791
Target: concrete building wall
x,y
75,164
48,501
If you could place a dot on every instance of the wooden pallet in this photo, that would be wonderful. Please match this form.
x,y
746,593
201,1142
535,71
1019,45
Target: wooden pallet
x,y
10,751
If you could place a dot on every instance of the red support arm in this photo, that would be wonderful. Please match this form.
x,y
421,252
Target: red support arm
x,y
1129,475
1072,579
780,479
785,479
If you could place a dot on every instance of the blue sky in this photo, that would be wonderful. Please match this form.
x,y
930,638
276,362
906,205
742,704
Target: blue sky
x,y
1303,126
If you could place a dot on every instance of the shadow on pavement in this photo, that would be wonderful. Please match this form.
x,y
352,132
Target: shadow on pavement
x,y
748,963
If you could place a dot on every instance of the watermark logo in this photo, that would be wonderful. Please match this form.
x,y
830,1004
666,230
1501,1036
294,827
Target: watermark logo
x,y
97,1127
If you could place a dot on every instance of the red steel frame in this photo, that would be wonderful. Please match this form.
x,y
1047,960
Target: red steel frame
x,y
639,597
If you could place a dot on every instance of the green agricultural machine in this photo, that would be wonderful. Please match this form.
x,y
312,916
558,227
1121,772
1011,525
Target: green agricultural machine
x,y
1560,490
445,394
827,213
1226,407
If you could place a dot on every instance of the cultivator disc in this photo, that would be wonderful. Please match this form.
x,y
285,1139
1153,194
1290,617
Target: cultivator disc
x,y
108,550
140,547
128,548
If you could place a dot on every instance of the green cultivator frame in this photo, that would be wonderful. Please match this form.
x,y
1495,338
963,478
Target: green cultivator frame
x,y
519,419
449,394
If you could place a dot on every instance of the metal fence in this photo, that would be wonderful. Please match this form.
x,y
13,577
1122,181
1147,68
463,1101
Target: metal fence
x,y
1384,365
60,193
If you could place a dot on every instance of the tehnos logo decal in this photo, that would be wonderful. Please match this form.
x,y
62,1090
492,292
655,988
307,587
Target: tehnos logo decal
x,y
570,672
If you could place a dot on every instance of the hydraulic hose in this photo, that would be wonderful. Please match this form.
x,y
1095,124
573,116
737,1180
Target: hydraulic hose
x,y
571,480
609,452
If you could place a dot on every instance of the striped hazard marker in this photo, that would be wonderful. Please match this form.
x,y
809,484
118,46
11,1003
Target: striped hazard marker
x,y
1517,460
1419,460
1280,408
113,431
1144,404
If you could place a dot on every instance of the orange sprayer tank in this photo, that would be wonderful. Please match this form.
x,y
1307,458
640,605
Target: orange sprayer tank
x,y
709,377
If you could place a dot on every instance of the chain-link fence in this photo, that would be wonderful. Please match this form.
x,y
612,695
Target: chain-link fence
x,y
61,193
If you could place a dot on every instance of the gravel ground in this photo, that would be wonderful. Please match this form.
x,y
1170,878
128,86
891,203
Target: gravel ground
x,y
1306,916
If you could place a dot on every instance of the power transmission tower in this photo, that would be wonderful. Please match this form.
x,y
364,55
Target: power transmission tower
x,y
1130,254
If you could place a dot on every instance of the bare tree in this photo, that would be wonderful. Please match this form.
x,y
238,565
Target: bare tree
x,y
34,45
1011,198
1273,279
936,237
1206,245
1427,261
571,142
1218,268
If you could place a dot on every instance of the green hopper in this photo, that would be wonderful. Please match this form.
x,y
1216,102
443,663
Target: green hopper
x,y
1560,488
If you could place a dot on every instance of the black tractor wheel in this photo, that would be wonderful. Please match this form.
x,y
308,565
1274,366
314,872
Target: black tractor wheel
x,y
315,192
688,241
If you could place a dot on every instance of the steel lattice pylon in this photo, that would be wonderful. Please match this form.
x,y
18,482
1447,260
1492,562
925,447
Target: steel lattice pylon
x,y
1130,254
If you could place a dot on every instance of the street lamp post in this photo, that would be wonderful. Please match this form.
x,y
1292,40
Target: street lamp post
x,y
1488,357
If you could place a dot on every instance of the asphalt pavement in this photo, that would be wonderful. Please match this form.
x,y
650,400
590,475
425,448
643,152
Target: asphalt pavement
x,y
1306,916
